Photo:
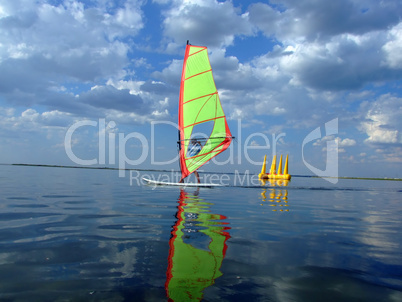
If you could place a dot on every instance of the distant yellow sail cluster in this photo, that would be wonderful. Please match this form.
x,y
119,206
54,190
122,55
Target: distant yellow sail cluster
x,y
272,173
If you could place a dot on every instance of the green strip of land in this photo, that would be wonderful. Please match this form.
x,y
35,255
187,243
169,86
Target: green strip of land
x,y
110,168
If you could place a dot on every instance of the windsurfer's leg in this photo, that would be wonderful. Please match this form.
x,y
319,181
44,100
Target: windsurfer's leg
x,y
196,175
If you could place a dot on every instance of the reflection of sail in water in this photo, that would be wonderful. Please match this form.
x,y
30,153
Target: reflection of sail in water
x,y
192,267
277,197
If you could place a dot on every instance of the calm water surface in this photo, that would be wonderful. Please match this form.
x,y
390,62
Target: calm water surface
x,y
88,235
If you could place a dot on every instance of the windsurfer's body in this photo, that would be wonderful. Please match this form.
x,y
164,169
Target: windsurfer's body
x,y
195,148
193,151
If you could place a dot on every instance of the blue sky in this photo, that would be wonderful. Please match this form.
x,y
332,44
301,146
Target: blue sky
x,y
283,68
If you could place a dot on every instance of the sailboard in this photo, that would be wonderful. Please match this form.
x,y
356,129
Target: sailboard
x,y
199,108
179,184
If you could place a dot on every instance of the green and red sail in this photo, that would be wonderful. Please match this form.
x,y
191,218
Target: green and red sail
x,y
199,103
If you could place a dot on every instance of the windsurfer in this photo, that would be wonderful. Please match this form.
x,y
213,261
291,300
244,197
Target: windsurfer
x,y
193,151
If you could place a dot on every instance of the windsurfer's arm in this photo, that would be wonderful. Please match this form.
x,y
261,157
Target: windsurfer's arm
x,y
179,142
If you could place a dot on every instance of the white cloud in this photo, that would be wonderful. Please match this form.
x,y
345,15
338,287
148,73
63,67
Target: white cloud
x,y
278,110
30,114
311,20
341,143
30,120
133,86
2,12
393,48
336,64
206,22
347,142
170,74
47,48
322,53
378,135
383,124
237,114
70,40
323,140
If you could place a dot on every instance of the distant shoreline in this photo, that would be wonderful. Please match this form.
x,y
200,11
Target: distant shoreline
x,y
159,170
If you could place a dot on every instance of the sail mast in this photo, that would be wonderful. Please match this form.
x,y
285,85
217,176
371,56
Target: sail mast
x,y
183,168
